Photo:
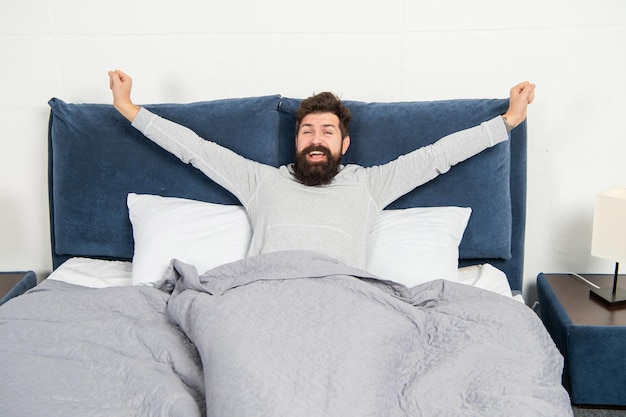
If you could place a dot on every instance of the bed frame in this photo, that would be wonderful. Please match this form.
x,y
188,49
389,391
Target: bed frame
x,y
96,158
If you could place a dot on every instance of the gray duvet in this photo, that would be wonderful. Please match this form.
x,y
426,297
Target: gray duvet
x,y
282,334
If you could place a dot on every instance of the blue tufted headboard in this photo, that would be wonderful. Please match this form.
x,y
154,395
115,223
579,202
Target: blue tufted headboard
x,y
96,158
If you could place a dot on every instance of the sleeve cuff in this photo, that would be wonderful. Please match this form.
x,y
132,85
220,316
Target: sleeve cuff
x,y
143,119
498,129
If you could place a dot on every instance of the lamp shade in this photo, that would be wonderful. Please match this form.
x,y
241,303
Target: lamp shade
x,y
609,225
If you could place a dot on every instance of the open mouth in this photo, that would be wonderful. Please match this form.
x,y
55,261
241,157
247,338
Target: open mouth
x,y
317,155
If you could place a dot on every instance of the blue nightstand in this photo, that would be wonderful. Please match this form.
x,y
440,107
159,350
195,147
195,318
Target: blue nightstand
x,y
13,284
590,336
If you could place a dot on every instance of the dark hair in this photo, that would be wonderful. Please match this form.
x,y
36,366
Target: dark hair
x,y
325,103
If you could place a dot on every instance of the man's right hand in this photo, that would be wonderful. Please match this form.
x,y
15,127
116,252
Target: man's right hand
x,y
121,85
521,96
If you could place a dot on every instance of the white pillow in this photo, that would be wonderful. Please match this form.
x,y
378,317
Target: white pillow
x,y
417,245
202,234
487,277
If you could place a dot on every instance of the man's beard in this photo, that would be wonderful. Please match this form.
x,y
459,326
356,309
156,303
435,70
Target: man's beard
x,y
316,173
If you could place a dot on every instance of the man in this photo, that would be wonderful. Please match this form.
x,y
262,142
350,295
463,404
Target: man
x,y
316,203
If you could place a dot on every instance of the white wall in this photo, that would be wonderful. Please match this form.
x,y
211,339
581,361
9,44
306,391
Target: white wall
x,y
192,50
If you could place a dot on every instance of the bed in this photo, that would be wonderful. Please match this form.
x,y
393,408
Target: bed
x,y
153,309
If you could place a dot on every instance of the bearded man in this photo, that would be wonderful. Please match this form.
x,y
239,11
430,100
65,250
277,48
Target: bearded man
x,y
317,203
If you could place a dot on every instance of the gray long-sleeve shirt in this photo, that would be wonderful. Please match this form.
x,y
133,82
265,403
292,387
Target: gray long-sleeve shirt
x,y
334,219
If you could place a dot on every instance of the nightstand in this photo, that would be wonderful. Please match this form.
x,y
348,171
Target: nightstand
x,y
591,337
13,284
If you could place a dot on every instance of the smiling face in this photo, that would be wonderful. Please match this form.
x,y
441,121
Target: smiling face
x,y
321,129
319,148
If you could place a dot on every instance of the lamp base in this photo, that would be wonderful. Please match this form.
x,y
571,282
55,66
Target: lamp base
x,y
607,297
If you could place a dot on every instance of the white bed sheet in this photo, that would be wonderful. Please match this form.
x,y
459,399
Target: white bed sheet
x,y
97,273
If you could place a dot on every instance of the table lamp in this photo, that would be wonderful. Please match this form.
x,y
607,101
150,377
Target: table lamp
x,y
609,239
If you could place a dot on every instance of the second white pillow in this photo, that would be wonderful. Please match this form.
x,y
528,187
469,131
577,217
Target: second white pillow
x,y
417,245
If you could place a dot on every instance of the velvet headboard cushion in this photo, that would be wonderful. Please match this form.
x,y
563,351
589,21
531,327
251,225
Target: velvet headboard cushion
x,y
96,158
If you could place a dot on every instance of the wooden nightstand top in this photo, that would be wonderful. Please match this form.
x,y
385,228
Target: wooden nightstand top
x,y
8,281
581,308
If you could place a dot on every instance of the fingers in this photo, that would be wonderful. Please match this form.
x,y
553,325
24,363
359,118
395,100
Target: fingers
x,y
524,92
122,76
114,79
121,85
118,74
531,94
117,78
